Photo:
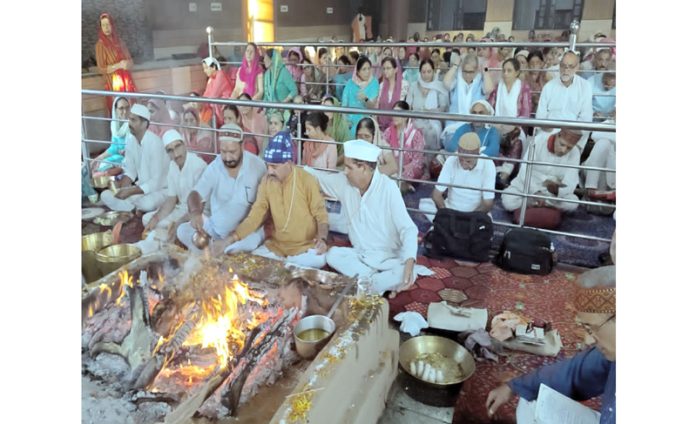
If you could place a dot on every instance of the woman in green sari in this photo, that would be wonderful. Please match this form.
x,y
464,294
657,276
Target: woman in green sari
x,y
278,85
338,127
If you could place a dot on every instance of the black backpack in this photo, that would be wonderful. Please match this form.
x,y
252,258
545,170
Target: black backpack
x,y
460,235
526,251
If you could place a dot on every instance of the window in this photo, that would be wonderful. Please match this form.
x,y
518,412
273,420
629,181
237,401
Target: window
x,y
454,15
546,14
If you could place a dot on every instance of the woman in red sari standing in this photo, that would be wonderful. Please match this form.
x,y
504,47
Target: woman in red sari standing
x,y
113,59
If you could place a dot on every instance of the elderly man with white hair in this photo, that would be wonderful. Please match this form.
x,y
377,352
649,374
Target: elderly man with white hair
x,y
466,84
229,185
567,97
184,171
384,238
143,185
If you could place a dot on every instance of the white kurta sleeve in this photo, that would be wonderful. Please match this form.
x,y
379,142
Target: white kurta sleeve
x,y
129,167
206,182
407,230
171,181
446,174
155,158
570,175
332,183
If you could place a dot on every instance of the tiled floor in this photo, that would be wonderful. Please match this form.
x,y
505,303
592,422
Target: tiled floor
x,y
402,409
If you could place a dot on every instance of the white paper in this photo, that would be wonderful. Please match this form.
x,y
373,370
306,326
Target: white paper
x,y
553,407
442,316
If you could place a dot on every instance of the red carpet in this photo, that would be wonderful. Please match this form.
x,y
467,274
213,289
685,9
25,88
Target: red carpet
x,y
485,285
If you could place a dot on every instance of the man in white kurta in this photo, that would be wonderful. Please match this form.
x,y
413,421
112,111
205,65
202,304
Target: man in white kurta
x,y
548,180
143,187
476,173
603,155
184,171
384,238
567,97
229,185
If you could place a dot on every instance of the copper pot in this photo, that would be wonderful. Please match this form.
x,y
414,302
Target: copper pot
x,y
201,240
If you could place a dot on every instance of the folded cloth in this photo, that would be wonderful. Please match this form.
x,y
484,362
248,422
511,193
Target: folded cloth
x,y
422,270
411,322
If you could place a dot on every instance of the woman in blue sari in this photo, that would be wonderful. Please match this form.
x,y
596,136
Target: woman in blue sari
x,y
114,155
361,91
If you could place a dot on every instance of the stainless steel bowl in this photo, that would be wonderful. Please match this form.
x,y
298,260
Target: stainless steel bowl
x,y
309,349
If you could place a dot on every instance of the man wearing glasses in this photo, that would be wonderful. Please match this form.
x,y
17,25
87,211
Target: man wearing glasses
x,y
567,97
591,372
466,86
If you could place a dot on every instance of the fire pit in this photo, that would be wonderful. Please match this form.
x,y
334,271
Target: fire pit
x,y
170,337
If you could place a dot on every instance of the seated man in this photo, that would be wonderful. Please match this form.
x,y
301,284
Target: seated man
x,y
184,171
384,238
601,185
589,373
145,164
547,180
229,186
292,196
488,134
603,95
467,172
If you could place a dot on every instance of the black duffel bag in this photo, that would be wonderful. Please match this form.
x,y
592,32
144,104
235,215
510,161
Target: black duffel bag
x,y
460,235
526,251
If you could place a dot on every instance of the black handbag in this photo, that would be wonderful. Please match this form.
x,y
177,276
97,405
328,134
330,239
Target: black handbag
x,y
526,251
460,235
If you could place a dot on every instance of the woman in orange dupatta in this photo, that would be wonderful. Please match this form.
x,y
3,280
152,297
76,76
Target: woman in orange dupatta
x,y
113,59
200,138
254,122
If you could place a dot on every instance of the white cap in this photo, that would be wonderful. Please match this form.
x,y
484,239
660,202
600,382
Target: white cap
x,y
210,60
141,111
171,136
230,132
361,150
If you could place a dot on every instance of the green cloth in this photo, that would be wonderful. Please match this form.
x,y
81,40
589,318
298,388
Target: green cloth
x,y
277,81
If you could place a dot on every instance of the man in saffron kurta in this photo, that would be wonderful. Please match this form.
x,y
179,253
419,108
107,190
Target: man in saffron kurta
x,y
295,203
589,373
384,238
218,85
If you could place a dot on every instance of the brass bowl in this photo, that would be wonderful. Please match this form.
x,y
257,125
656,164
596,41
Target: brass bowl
x,y
113,257
91,244
414,347
101,182
110,218
200,240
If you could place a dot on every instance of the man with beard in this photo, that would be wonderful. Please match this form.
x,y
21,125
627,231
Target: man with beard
x,y
296,206
568,97
184,171
589,373
547,180
229,186
144,182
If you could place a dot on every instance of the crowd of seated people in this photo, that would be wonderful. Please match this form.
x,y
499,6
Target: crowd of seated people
x,y
478,82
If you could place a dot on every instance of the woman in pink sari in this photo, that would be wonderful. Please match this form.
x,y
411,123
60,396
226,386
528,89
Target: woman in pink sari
x,y
392,89
198,139
253,122
160,120
250,75
403,131
294,59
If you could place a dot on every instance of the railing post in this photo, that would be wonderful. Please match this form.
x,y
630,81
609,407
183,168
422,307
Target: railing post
x,y
299,138
527,180
401,156
210,30
85,151
574,28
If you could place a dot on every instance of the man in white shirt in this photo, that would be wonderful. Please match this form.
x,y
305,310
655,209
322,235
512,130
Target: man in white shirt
x,y
568,97
229,184
384,238
464,171
184,171
547,180
143,186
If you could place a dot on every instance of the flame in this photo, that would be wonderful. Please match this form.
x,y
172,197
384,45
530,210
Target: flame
x,y
126,280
